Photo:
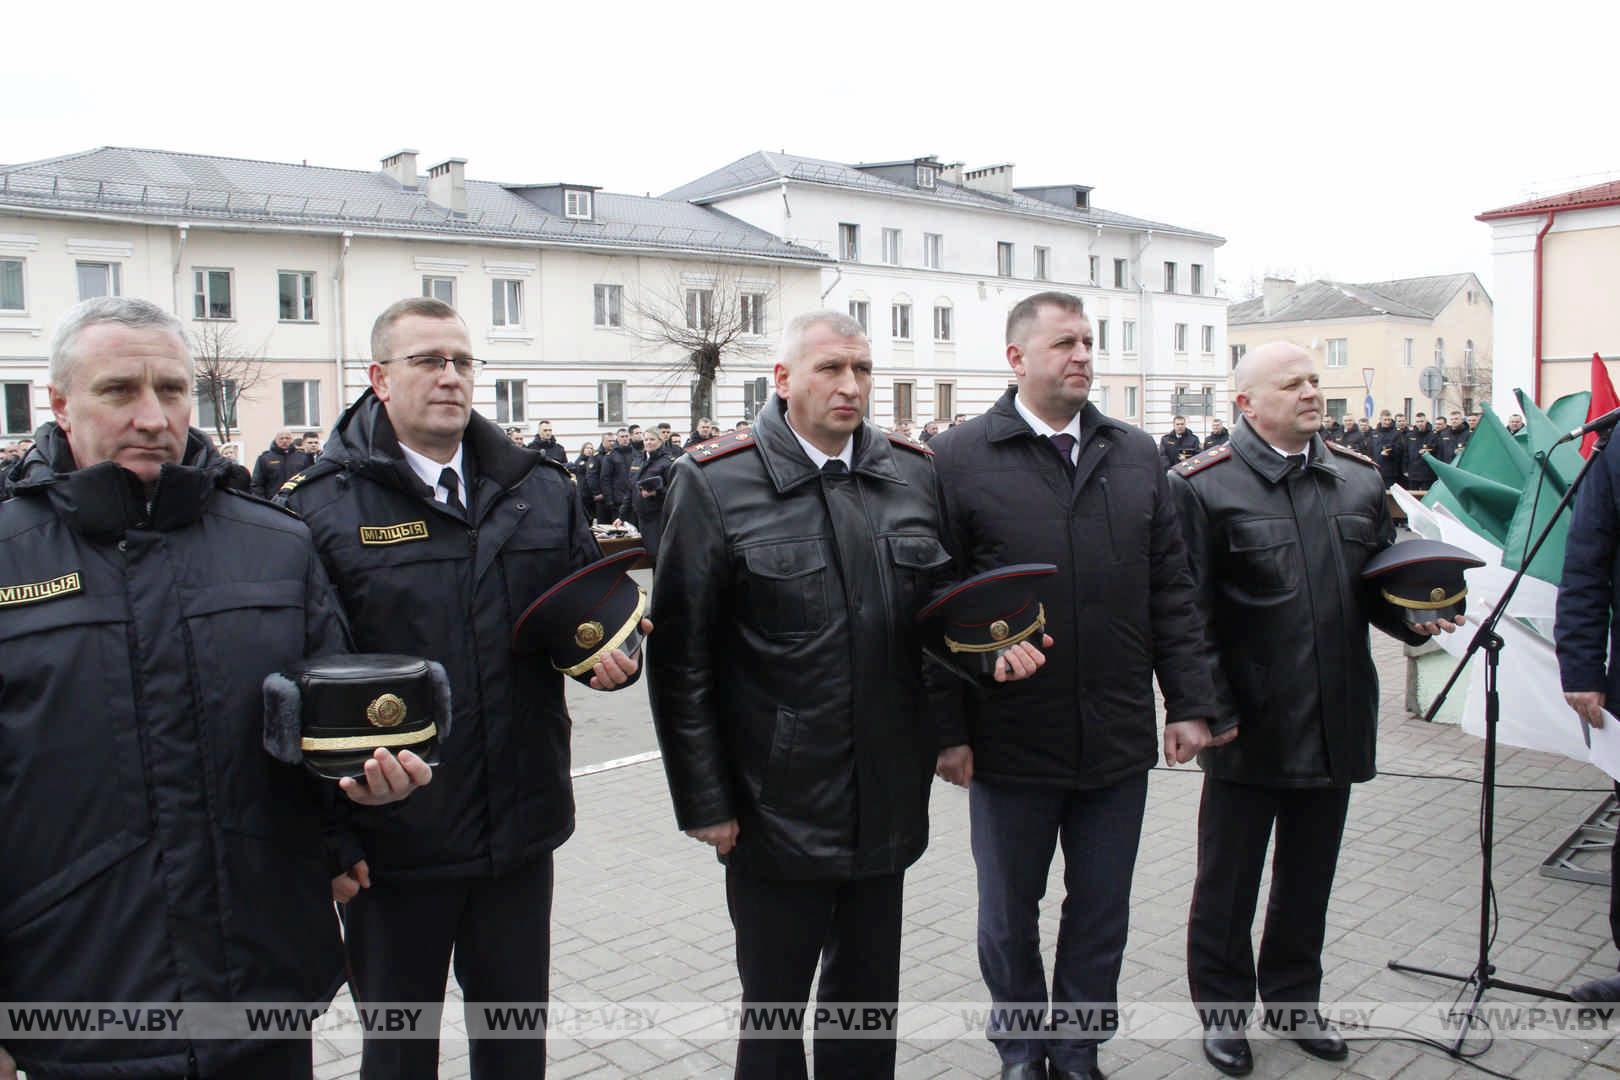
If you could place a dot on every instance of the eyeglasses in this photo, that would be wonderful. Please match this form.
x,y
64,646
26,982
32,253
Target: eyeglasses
x,y
466,366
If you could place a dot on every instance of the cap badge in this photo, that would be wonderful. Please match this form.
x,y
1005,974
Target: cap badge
x,y
386,711
1437,595
589,635
999,630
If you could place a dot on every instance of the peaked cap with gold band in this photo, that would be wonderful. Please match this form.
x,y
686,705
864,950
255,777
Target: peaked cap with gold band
x,y
331,713
1424,578
979,618
585,616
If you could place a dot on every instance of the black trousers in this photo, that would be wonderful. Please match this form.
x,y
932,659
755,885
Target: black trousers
x,y
1234,825
1614,881
284,1059
783,929
400,936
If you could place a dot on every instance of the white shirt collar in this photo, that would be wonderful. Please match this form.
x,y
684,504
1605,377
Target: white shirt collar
x,y
1045,430
429,470
817,458
1291,453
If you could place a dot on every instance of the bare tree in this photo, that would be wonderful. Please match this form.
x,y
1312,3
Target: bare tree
x,y
706,316
225,372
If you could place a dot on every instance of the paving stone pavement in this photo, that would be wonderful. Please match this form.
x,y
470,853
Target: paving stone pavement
x,y
640,910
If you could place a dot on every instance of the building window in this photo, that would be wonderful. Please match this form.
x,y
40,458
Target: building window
x,y
1181,337
903,399
508,302
208,403
98,279
1237,353
933,250
1043,264
1197,279
11,285
849,242
751,306
212,290
1130,401
19,408
900,322
1128,342
699,309
1093,268
1102,335
1439,352
1004,258
1338,352
1207,339
1208,394
1406,408
295,296
511,401
442,289
861,312
1121,274
891,246
1468,357
926,175
942,322
754,395
301,402
1337,407
1169,277
610,402
608,305
1100,399
944,400
577,205
1406,353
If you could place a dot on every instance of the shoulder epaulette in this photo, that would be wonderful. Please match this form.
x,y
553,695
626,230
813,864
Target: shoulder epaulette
x,y
1197,464
1349,453
252,498
916,447
705,452
319,469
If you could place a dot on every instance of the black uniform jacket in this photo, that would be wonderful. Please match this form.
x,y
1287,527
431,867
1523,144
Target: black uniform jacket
x,y
1119,610
786,668
415,577
1174,449
152,851
1277,554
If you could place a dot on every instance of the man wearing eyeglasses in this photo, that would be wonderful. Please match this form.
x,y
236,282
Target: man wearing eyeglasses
x,y
438,532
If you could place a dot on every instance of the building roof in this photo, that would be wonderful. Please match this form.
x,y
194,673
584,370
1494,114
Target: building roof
x,y
1597,195
196,187
764,167
1413,298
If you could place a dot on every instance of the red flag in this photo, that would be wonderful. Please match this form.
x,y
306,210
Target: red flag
x,y
1603,399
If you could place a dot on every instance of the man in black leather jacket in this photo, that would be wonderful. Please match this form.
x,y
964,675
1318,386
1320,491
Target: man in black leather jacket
x,y
1279,524
787,685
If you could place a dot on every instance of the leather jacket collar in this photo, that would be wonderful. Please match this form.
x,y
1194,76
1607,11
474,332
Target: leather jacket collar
x,y
1259,455
785,460
1005,423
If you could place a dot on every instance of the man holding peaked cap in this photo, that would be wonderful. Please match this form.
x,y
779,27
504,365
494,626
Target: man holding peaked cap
x,y
1280,525
787,686
438,533
1064,757
153,851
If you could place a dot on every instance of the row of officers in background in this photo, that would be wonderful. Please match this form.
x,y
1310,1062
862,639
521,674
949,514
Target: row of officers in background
x,y
1401,450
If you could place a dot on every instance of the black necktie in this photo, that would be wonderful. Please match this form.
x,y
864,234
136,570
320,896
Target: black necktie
x,y
447,480
1065,448
1298,461
835,467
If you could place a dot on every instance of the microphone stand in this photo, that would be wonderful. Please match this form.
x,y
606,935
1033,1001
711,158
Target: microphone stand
x,y
1483,976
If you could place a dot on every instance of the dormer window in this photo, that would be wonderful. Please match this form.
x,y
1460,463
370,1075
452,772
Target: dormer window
x,y
577,204
1082,199
926,175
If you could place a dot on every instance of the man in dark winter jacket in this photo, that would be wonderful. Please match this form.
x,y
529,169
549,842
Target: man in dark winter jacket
x,y
1418,442
1452,439
1064,757
438,534
1178,444
154,852
1279,523
615,476
1386,445
1217,434
787,686
275,465
547,444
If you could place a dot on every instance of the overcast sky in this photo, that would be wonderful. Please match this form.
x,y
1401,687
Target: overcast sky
x,y
1354,141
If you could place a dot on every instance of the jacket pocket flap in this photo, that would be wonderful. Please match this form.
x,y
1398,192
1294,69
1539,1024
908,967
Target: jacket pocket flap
x,y
54,888
55,614
918,552
1259,535
242,594
784,561
1358,528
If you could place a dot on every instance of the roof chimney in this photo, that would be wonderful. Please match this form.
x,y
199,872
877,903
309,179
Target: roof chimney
x,y
951,173
994,179
1274,291
401,167
447,185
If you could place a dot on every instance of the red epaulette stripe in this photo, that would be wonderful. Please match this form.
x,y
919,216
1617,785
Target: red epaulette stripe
x,y
901,440
1347,452
720,447
1205,460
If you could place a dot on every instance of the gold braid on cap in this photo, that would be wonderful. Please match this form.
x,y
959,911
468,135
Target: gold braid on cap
x,y
367,742
1423,605
613,642
1007,643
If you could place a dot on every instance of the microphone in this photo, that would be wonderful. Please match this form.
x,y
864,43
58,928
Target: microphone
x,y
1602,423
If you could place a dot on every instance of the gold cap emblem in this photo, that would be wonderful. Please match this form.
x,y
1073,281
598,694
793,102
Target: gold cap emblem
x,y
386,712
589,635
999,630
1437,595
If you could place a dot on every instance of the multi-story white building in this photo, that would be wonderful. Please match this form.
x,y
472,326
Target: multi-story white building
x,y
930,257
294,262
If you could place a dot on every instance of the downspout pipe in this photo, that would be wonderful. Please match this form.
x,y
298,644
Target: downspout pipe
x,y
183,230
1535,374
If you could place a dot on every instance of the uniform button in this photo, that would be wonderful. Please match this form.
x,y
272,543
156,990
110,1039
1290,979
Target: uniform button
x,y
123,545
522,506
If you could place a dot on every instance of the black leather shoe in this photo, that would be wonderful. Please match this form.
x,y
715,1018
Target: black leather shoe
x,y
1320,1040
1229,1052
1092,1073
1607,989
1024,1070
